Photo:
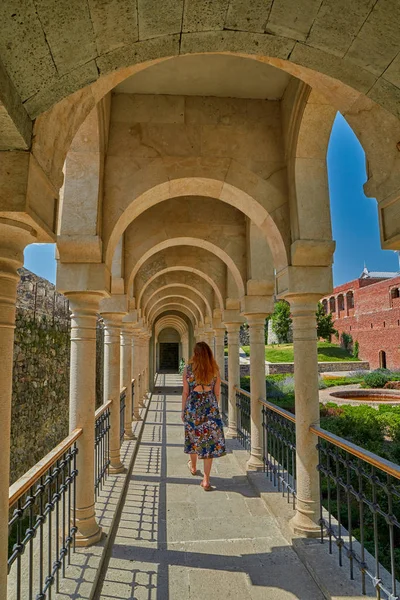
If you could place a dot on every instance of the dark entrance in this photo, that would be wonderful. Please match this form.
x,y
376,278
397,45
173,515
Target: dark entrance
x,y
382,359
169,357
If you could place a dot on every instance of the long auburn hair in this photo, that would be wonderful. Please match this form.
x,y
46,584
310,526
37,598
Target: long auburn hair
x,y
203,363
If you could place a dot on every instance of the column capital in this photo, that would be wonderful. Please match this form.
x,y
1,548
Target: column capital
x,y
303,303
257,305
232,318
85,301
14,237
83,277
295,280
256,319
117,303
112,319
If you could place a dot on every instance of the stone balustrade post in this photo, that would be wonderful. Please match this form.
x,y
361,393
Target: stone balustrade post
x,y
256,324
220,349
303,310
112,390
125,378
140,345
233,329
136,373
14,237
82,402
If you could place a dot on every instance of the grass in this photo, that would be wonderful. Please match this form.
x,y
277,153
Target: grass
x,y
327,352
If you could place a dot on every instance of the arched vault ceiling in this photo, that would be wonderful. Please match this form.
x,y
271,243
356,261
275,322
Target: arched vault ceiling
x,y
180,274
181,290
170,308
202,222
191,301
178,279
182,253
72,45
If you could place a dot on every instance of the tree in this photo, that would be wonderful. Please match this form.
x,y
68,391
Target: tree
x,y
325,328
281,321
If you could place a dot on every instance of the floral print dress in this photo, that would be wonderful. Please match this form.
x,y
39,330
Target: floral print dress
x,y
204,433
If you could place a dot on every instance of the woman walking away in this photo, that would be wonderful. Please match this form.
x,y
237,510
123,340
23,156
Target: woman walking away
x,y
204,435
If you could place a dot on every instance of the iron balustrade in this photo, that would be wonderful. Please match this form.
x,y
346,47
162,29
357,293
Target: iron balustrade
x,y
279,448
361,494
133,396
224,400
243,417
101,446
42,507
122,414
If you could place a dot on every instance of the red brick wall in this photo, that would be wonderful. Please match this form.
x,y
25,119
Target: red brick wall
x,y
375,323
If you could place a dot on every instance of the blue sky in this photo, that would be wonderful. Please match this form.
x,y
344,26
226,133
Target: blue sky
x,y
354,216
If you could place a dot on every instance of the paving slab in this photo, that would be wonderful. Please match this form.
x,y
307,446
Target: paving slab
x,y
174,541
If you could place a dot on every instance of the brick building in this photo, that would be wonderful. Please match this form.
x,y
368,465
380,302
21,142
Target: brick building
x,y
368,308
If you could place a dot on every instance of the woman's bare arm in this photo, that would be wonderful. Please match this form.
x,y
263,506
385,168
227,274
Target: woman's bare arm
x,y
217,388
185,392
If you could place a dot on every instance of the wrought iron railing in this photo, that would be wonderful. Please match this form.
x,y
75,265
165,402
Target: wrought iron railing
x,y
42,522
133,396
101,446
243,417
360,511
279,448
224,400
122,414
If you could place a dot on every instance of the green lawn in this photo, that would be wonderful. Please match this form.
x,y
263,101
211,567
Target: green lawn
x,y
284,353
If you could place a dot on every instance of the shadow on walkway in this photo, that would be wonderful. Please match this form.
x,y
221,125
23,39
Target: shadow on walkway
x,y
176,542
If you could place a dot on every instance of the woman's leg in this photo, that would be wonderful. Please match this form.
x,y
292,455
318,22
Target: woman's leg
x,y
207,469
193,460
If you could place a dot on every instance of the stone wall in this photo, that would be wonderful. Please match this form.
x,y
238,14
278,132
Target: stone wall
x,y
41,372
323,367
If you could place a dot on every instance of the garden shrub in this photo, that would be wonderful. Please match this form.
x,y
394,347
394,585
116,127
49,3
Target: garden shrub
x,y
375,379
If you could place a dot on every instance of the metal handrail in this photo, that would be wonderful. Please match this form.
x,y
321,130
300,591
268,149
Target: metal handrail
x,y
102,409
369,457
224,381
239,389
280,411
24,483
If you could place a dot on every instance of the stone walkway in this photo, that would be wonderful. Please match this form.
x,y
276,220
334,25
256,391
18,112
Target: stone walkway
x,y
176,542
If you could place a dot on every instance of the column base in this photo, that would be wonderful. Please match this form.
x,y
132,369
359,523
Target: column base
x,y
137,418
254,464
114,469
82,541
304,526
231,433
142,404
129,435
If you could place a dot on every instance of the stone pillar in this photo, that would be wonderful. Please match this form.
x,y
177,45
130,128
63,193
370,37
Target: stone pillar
x,y
185,347
233,376
14,237
146,356
112,328
210,339
125,379
82,401
257,386
303,309
140,347
220,349
136,372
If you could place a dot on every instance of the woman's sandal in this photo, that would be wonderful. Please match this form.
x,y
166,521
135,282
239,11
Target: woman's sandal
x,y
190,468
206,488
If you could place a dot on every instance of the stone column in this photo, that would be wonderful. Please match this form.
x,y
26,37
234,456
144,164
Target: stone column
x,y
220,349
125,378
112,328
82,401
14,237
140,346
303,309
233,376
146,364
210,340
257,387
136,372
